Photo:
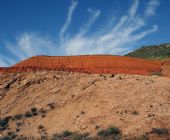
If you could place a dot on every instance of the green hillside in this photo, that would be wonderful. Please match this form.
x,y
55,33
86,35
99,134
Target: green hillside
x,y
152,52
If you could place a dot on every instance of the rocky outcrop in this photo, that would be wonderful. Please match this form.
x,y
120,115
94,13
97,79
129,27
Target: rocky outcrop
x,y
87,64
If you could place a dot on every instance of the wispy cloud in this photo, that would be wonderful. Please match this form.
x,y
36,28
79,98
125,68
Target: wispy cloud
x,y
5,61
126,32
130,28
69,18
150,10
30,44
133,9
93,15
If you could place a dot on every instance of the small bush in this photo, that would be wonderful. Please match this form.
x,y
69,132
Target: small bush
x,y
112,75
135,112
4,123
43,116
33,110
40,127
97,127
35,114
110,132
160,131
17,129
18,124
5,138
82,112
67,133
12,135
51,105
28,114
151,115
18,116
78,137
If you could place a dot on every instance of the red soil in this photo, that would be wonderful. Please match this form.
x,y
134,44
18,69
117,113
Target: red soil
x,y
88,64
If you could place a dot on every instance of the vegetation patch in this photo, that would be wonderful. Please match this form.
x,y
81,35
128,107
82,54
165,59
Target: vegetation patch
x,y
4,123
111,132
158,52
67,135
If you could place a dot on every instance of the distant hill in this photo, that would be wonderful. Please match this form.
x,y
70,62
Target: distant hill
x,y
159,52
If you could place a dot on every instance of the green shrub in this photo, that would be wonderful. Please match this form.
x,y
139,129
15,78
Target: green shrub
x,y
5,138
110,132
67,133
12,135
18,116
4,123
160,131
33,110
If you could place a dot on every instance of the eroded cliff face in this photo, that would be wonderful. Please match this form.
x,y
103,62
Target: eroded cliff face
x,y
2,70
88,64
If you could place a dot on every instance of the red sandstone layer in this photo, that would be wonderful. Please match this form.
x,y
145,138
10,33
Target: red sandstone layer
x,y
88,64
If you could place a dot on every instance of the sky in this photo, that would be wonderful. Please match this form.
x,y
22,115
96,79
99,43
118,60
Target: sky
x,y
80,27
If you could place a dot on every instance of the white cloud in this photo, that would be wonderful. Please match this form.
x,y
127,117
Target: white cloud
x,y
93,15
131,28
5,61
127,31
27,45
150,10
69,18
133,9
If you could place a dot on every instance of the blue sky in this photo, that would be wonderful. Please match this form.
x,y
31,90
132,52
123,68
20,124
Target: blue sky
x,y
78,27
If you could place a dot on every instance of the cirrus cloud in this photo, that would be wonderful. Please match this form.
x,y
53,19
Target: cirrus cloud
x,y
131,28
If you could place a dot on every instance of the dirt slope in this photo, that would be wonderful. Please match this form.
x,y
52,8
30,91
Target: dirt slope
x,y
85,103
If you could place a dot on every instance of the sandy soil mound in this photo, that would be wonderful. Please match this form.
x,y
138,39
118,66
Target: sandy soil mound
x,y
89,64
83,102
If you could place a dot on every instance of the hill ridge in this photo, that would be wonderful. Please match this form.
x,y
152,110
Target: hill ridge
x,y
88,64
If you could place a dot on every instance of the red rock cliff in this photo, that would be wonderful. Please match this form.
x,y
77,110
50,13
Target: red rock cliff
x,y
89,64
